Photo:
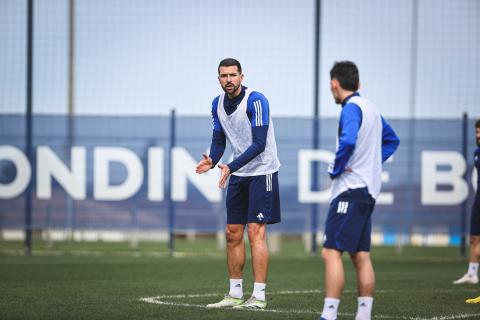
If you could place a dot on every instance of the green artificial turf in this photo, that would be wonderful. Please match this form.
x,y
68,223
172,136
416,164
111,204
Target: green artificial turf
x,y
107,281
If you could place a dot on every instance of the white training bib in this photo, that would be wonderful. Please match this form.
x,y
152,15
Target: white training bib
x,y
238,130
366,159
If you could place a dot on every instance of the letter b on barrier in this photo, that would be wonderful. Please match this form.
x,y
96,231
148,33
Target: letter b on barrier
x,y
432,177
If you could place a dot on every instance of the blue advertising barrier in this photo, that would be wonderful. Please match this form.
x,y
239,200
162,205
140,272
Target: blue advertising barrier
x,y
118,175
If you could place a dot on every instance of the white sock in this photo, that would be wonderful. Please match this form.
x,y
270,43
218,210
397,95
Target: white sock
x,y
259,290
473,268
330,308
236,288
364,309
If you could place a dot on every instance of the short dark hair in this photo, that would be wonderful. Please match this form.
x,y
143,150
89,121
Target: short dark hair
x,y
346,72
477,123
228,62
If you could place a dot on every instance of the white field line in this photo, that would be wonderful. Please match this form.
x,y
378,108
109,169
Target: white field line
x,y
156,301
159,300
200,295
452,317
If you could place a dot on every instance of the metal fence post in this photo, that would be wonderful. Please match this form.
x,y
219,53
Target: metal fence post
x,y
171,202
316,124
464,213
28,128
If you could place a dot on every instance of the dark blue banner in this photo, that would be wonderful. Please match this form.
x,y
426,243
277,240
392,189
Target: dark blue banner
x,y
113,173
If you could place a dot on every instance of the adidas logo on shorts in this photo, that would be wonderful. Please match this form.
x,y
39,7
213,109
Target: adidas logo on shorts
x,y
260,216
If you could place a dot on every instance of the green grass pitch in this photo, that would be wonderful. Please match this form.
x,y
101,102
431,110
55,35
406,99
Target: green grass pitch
x,y
114,281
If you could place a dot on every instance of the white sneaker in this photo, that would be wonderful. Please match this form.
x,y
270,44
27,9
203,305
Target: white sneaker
x,y
252,304
467,278
227,302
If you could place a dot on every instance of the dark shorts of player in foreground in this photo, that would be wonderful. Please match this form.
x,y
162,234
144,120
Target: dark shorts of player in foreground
x,y
349,223
475,217
253,199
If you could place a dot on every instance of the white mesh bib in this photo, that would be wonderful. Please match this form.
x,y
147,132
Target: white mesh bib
x,y
366,160
238,130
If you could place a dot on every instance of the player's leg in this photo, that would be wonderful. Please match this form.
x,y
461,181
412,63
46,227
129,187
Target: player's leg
x,y
365,273
332,258
471,277
334,282
264,208
235,263
474,258
334,273
365,284
475,249
258,245
235,250
346,229
237,206
259,250
261,197
362,206
260,255
237,200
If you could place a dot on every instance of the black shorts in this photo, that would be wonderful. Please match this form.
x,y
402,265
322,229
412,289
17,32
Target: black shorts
x,y
349,222
475,217
253,199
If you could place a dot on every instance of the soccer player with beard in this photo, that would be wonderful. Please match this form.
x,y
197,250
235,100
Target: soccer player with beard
x,y
242,116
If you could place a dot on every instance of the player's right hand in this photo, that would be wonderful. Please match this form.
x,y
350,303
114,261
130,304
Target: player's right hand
x,y
204,165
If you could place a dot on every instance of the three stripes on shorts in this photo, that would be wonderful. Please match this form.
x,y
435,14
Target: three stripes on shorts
x,y
342,207
268,182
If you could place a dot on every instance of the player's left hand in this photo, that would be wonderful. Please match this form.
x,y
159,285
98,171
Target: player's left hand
x,y
224,175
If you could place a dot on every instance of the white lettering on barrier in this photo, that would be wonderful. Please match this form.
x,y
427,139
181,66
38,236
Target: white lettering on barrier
x,y
155,174
102,189
73,179
386,198
24,172
305,158
183,170
49,166
432,178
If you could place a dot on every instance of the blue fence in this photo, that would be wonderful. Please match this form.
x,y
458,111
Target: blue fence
x,y
425,185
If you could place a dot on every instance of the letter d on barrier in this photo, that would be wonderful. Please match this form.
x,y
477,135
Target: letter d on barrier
x,y
305,159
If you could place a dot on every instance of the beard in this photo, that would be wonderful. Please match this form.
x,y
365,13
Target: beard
x,y
337,99
478,142
230,88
